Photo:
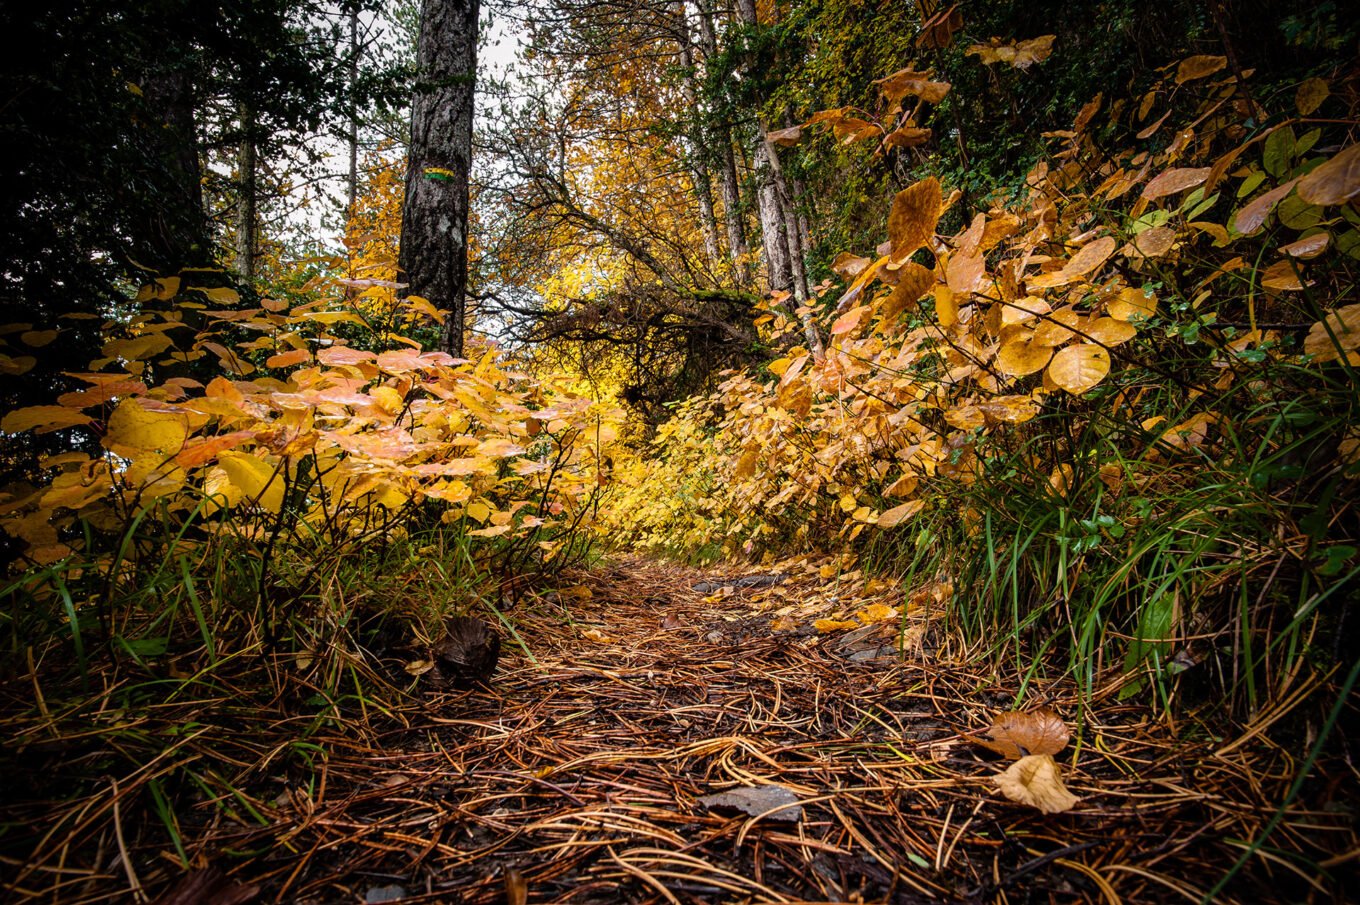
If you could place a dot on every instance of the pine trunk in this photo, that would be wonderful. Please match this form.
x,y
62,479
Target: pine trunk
x,y
434,240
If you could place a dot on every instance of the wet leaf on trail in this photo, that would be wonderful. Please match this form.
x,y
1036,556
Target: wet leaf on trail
x,y
1019,734
599,637
771,802
1036,781
827,626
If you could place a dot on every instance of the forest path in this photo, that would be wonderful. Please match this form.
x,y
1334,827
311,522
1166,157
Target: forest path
x,y
577,778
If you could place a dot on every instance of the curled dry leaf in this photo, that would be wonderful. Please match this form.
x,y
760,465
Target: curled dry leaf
x,y
1018,734
1036,781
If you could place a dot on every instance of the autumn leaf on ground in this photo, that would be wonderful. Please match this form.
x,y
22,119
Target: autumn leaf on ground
x,y
1036,781
1019,734
599,637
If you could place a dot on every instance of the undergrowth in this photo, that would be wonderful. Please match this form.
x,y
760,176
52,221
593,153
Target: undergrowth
x,y
1119,412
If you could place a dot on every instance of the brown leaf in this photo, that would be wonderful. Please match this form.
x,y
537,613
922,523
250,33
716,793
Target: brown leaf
x,y
785,137
1308,247
1036,781
1336,181
1311,94
1176,180
914,216
909,136
1249,219
1337,334
1198,67
768,802
1019,734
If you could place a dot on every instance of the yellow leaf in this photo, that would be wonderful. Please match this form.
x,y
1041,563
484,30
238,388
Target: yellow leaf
x,y
827,626
898,514
17,365
287,359
134,431
946,306
599,637
1036,781
254,478
1109,331
1023,356
1130,303
43,417
1079,367
478,511
876,612
913,282
848,321
38,338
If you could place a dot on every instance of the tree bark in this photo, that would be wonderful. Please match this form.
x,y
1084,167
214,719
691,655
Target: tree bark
x,y
434,240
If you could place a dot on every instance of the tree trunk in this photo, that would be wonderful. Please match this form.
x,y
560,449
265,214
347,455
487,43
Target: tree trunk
x,y
434,240
246,200
698,153
774,241
352,184
177,234
778,219
721,136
